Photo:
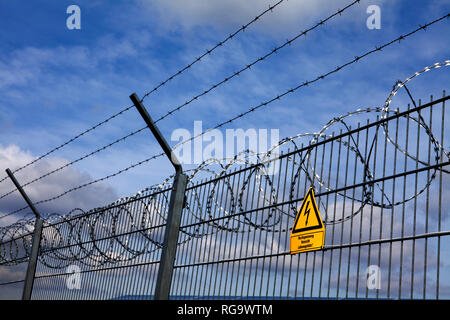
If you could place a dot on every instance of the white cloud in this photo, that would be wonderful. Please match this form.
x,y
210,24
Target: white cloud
x,y
223,14
92,196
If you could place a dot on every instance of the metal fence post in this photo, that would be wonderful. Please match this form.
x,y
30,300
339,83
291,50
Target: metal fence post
x,y
169,250
32,263
176,204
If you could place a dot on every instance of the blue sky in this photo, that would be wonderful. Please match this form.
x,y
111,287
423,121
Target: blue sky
x,y
55,82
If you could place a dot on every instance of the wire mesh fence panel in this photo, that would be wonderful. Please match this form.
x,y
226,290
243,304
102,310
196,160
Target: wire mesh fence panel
x,y
110,253
379,192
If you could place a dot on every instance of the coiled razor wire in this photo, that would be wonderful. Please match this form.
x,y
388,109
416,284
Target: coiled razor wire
x,y
131,226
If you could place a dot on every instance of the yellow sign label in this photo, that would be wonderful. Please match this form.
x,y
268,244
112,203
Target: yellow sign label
x,y
308,232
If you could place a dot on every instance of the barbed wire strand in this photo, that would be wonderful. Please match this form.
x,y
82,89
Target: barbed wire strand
x,y
69,141
208,52
262,58
321,77
76,160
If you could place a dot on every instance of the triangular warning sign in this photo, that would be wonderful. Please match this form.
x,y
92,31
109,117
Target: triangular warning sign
x,y
308,232
308,217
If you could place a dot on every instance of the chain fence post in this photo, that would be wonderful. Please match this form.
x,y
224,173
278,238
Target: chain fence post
x,y
36,241
176,204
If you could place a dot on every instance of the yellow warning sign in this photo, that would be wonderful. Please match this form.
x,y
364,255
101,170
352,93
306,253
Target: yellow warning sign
x,y
308,232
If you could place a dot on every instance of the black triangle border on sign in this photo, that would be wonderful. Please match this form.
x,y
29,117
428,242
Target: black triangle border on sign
x,y
316,211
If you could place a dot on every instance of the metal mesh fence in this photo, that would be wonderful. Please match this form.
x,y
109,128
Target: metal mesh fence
x,y
381,188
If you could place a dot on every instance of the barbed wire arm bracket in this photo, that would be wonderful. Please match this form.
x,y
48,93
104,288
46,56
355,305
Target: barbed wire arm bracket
x,y
176,204
37,235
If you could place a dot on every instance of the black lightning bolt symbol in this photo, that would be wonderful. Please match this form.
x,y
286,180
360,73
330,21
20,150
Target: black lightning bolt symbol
x,y
307,213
